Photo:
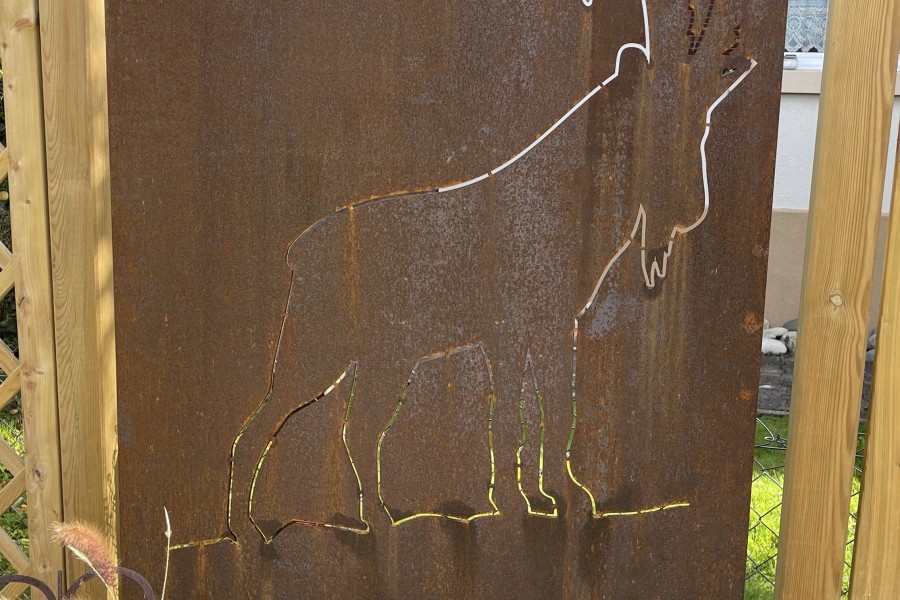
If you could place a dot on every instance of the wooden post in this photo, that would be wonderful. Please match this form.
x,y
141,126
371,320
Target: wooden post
x,y
876,559
31,266
73,48
848,182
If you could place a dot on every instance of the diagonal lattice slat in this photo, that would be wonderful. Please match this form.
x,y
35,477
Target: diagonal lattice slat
x,y
6,255
10,549
8,360
11,386
11,459
12,491
7,280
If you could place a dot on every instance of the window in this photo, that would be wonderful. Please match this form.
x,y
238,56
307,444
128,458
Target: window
x,y
804,45
806,26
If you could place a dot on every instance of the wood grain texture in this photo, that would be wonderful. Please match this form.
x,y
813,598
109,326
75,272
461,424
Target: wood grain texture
x,y
5,256
848,179
10,387
73,53
11,459
7,280
876,560
29,218
18,559
12,490
4,162
8,360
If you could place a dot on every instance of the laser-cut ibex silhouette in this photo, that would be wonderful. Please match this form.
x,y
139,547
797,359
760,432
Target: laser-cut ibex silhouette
x,y
505,264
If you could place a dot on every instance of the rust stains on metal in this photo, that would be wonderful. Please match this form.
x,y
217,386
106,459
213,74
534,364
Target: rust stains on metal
x,y
536,342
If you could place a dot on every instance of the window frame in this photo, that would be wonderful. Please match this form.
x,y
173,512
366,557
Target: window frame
x,y
803,73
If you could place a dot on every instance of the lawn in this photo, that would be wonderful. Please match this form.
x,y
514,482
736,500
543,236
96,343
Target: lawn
x,y
765,507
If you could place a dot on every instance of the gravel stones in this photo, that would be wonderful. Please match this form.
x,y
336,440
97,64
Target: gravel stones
x,y
779,340
773,347
783,340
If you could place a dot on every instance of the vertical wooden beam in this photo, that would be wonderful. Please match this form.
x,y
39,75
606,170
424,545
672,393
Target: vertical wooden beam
x,y
73,49
34,303
848,182
876,559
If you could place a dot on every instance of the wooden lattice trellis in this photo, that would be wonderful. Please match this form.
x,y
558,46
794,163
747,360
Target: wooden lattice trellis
x,y
26,268
10,387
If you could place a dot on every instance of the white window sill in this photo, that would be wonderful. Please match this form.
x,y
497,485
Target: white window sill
x,y
803,73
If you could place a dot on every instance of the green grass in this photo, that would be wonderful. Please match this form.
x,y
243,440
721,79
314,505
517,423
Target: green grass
x,y
765,503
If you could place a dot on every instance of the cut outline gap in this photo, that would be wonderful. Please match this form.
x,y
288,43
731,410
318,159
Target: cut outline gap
x,y
657,270
644,48
231,536
643,511
737,42
529,369
354,365
696,38
490,434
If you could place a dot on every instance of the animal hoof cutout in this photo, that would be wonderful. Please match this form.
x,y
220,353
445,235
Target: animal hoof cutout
x,y
306,474
436,455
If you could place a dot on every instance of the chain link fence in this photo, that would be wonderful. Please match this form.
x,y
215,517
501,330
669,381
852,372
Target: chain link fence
x,y
765,507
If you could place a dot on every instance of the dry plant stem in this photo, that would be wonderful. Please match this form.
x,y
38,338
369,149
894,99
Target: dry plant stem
x,y
168,533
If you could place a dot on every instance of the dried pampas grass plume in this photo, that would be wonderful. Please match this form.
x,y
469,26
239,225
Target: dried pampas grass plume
x,y
87,543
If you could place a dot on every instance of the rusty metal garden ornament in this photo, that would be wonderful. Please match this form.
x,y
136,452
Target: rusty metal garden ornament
x,y
480,372
309,316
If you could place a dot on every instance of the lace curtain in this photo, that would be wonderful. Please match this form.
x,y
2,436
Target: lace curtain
x,y
806,25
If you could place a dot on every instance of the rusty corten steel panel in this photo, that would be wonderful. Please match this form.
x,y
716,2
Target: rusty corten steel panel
x,y
440,299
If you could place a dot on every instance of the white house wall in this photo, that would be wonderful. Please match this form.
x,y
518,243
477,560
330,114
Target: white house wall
x,y
793,176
